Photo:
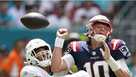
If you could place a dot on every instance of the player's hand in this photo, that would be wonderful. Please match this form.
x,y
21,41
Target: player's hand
x,y
105,51
62,33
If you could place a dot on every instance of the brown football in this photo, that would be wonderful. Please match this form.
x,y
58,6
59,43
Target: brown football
x,y
34,20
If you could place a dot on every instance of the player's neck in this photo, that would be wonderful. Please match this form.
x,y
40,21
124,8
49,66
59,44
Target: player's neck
x,y
95,44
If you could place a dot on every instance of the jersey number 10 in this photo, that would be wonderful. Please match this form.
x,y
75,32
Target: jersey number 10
x,y
96,70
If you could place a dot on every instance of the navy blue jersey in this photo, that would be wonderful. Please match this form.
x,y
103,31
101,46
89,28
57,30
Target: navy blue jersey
x,y
92,60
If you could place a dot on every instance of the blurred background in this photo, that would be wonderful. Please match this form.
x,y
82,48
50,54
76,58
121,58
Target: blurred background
x,y
72,14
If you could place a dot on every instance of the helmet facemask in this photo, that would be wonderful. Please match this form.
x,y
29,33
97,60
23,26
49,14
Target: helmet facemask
x,y
38,53
97,36
43,56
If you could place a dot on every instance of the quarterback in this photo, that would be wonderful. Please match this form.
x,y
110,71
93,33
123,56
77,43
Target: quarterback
x,y
100,56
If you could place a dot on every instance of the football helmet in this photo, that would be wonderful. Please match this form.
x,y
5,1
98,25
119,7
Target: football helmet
x,y
31,51
96,19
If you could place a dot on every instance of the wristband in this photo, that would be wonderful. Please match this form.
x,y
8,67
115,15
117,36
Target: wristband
x,y
113,64
59,42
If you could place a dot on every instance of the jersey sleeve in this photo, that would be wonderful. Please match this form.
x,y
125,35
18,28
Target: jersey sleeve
x,y
74,51
71,53
120,49
69,60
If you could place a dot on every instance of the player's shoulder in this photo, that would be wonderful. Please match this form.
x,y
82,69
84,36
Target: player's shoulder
x,y
76,46
116,43
32,69
119,48
29,69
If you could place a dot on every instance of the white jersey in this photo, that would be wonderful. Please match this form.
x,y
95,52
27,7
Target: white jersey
x,y
78,74
33,71
81,73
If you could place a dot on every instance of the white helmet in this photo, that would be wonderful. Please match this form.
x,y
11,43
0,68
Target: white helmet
x,y
31,51
99,18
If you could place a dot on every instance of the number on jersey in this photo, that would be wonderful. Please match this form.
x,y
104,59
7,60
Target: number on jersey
x,y
96,69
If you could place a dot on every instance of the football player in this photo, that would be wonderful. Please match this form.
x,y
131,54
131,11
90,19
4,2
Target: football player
x,y
100,56
38,61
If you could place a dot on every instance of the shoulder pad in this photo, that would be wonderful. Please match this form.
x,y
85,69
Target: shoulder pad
x,y
119,45
27,71
75,46
116,43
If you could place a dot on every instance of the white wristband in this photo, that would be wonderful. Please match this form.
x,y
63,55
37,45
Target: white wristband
x,y
59,42
113,64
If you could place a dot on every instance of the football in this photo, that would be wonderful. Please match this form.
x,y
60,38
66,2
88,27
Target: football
x,y
34,20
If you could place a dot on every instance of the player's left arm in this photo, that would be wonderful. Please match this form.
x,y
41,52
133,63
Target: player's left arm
x,y
118,67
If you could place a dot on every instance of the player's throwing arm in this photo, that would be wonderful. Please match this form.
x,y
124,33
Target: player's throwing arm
x,y
57,63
